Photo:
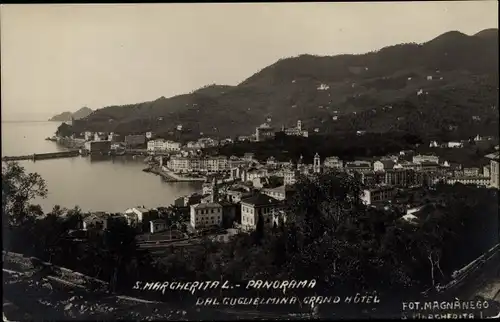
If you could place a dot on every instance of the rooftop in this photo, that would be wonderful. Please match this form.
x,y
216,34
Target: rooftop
x,y
260,200
493,156
388,163
207,205
281,189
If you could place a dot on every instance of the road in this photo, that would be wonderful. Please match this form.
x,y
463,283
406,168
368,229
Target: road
x,y
484,283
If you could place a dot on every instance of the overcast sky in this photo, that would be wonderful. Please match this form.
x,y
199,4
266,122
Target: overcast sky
x,y
56,58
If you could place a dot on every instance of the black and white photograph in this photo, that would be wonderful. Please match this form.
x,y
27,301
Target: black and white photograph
x,y
250,161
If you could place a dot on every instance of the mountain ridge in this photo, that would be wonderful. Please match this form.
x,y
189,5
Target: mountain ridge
x,y
314,88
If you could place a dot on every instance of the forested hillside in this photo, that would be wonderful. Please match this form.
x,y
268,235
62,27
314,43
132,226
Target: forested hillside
x,y
449,84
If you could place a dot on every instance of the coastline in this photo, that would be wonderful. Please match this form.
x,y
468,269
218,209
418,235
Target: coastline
x,y
170,176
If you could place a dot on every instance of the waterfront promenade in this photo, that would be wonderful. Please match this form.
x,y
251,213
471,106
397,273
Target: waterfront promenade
x,y
173,177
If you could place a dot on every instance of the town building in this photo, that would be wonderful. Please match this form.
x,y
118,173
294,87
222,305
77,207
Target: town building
x,y
259,206
237,193
471,172
358,166
156,145
135,140
260,182
486,171
100,136
149,135
244,138
377,194
89,136
186,201
407,166
249,156
398,177
383,165
115,137
290,176
372,178
264,132
136,214
205,215
157,225
279,193
212,164
98,220
296,131
494,169
271,161
477,181
333,163
429,166
317,163
95,147
423,158
455,145
162,145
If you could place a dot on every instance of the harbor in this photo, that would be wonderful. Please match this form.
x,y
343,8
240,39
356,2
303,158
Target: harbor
x,y
169,176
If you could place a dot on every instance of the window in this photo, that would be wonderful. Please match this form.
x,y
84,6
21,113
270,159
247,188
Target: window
x,y
212,211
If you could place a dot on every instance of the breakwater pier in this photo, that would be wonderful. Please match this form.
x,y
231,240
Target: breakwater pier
x,y
43,156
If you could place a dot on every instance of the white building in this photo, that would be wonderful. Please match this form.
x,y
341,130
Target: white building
x,y
204,215
259,206
156,145
377,194
114,137
494,169
476,181
455,145
425,158
138,212
290,176
264,132
162,145
296,131
280,193
333,163
89,136
157,225
173,146
100,136
149,135
382,165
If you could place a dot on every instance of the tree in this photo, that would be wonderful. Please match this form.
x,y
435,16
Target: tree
x,y
18,189
18,214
